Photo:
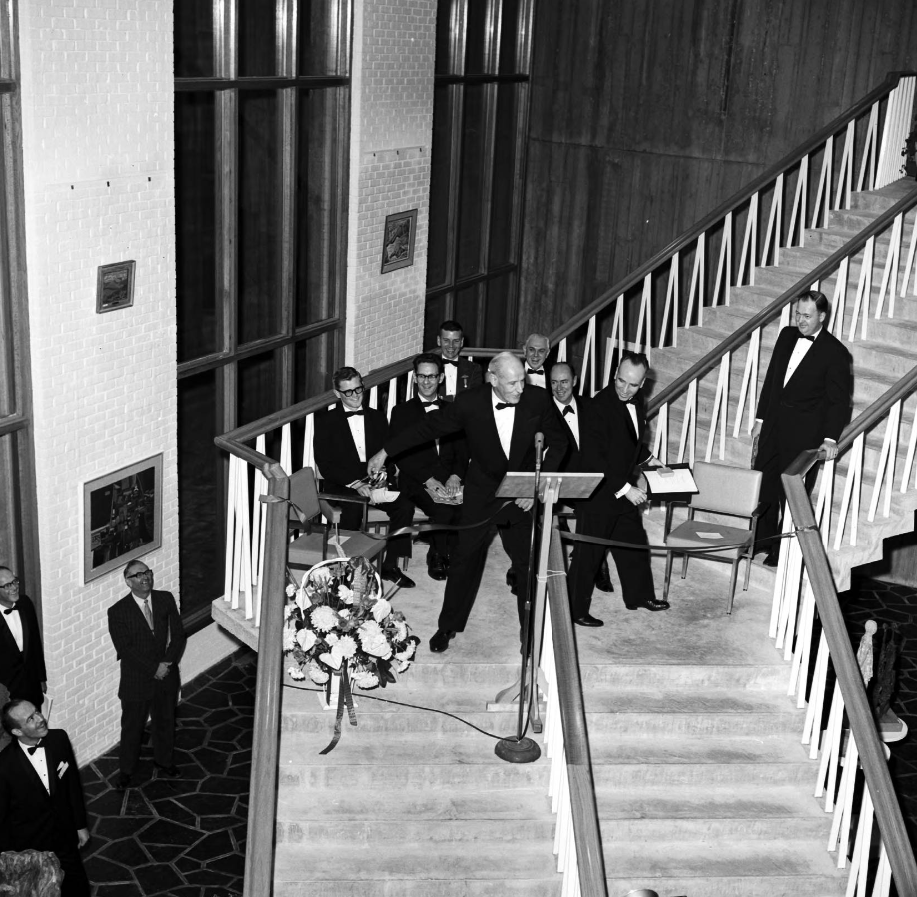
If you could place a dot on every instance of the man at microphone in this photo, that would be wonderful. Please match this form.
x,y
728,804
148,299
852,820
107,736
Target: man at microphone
x,y
500,422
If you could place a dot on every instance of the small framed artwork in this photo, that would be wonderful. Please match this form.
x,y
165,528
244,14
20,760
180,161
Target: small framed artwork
x,y
398,241
122,516
115,286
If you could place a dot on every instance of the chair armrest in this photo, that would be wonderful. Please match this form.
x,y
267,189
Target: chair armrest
x,y
759,510
334,514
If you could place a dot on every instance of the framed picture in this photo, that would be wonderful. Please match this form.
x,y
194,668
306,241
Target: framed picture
x,y
122,516
398,241
115,286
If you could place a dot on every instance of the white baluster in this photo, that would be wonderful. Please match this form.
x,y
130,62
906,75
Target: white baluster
x,y
688,425
749,386
824,184
724,265
911,447
230,530
720,404
885,469
798,212
836,325
845,175
816,703
697,282
890,271
774,222
645,316
671,302
869,150
392,396
850,502
286,450
562,350
749,242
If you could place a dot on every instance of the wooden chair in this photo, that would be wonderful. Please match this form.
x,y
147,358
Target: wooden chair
x,y
722,489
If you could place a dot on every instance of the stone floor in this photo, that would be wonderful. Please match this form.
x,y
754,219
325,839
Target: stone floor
x,y
186,837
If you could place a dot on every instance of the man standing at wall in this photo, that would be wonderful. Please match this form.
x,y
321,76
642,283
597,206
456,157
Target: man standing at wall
x,y
41,798
148,635
460,373
804,404
22,659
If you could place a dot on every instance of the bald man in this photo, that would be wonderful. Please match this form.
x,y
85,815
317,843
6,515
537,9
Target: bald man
x,y
499,420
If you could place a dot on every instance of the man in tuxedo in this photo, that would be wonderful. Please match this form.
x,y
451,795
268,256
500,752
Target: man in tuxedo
x,y
614,446
22,658
460,373
41,797
432,470
500,422
574,412
345,436
536,348
804,404
149,639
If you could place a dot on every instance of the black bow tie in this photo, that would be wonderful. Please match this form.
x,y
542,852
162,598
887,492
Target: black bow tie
x,y
540,371
432,404
11,610
353,413
811,339
569,409
501,405
452,361
34,747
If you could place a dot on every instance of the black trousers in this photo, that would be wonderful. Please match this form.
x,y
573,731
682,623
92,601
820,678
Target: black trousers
x,y
400,514
772,461
441,541
161,711
75,884
633,564
467,566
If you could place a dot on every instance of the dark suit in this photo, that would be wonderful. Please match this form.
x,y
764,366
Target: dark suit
x,y
140,651
472,412
22,672
813,405
468,376
609,445
31,818
339,463
417,465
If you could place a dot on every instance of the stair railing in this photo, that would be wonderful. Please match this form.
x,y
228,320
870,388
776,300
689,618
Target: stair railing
x,y
868,137
805,571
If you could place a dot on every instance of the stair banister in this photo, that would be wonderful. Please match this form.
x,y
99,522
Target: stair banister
x,y
872,757
769,312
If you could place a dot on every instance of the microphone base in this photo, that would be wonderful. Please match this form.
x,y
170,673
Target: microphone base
x,y
517,750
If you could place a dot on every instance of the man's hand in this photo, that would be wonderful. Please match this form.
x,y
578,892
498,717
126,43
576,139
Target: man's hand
x,y
82,836
162,670
365,491
453,485
436,487
44,688
829,447
377,463
525,503
635,495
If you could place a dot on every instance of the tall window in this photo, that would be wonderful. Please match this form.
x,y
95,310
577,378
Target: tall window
x,y
480,116
262,92
18,524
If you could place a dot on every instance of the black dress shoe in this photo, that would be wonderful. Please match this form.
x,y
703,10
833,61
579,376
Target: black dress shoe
x,y
588,620
440,640
172,772
124,782
397,576
652,604
603,579
772,558
511,578
436,566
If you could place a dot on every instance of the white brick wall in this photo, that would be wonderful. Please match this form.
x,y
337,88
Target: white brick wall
x,y
391,131
99,188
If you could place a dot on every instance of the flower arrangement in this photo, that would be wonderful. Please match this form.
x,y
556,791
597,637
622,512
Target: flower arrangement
x,y
337,618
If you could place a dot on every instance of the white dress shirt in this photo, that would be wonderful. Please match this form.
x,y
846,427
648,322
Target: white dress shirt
x,y
451,381
632,411
536,379
427,408
799,352
572,420
358,431
504,418
14,622
40,762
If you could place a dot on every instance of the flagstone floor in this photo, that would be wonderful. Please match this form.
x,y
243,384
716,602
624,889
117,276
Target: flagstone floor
x,y
186,837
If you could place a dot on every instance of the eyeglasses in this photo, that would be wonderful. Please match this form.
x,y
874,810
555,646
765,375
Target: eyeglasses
x,y
356,391
140,574
11,584
426,376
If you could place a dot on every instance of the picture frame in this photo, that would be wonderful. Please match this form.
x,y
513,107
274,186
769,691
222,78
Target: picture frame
x,y
398,238
122,516
115,286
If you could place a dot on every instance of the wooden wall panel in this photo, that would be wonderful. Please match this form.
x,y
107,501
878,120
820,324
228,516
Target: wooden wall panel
x,y
646,115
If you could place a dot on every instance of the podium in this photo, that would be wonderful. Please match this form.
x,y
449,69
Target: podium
x,y
548,489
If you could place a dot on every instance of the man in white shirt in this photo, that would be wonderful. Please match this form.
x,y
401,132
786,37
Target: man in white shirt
x,y
459,373
22,658
536,348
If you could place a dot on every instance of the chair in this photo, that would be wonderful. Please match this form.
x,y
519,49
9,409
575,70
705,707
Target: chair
x,y
722,489
309,548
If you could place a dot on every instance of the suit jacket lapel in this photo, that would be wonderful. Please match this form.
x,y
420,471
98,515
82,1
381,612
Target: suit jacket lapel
x,y
31,773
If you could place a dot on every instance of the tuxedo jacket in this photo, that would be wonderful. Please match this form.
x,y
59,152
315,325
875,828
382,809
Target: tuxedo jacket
x,y
22,672
611,446
472,413
335,451
573,458
469,376
141,650
30,817
815,402
418,464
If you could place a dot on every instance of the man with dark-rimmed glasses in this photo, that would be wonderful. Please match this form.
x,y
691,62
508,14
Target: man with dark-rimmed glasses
x,y
148,635
22,658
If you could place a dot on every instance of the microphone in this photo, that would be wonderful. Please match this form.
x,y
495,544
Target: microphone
x,y
539,451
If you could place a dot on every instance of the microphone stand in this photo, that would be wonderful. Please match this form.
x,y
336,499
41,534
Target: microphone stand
x,y
519,748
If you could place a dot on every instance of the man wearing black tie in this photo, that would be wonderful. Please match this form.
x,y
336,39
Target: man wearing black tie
x,y
804,404
41,798
460,373
149,639
22,659
500,422
536,348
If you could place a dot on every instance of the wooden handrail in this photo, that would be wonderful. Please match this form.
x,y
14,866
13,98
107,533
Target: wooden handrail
x,y
869,745
689,236
589,856
769,312
878,409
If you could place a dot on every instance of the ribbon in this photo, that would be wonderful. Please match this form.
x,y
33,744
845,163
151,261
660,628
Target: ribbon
x,y
345,699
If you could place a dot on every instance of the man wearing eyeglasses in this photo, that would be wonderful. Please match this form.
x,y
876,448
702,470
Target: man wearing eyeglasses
x,y
431,474
149,638
22,658
345,436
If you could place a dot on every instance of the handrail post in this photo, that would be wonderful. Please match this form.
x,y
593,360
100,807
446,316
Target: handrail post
x,y
262,808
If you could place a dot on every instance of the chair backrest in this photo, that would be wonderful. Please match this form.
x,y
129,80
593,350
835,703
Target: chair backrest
x,y
303,492
726,490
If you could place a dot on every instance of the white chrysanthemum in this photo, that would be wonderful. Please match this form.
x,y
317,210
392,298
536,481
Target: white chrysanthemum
x,y
289,611
332,639
296,673
290,590
320,576
324,619
345,594
289,638
317,674
365,679
408,652
347,645
402,665
344,614
381,609
370,629
401,630
306,639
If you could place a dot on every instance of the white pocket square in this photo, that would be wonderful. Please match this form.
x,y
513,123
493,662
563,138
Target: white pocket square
x,y
62,767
